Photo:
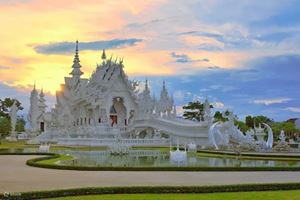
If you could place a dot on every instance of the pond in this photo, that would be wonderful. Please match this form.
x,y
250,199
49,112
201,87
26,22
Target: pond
x,y
158,158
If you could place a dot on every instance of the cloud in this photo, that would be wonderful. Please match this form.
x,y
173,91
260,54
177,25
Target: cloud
x,y
268,102
4,67
179,110
222,88
218,105
293,109
184,58
67,47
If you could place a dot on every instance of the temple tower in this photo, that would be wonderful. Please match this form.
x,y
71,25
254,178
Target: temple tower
x,y
33,110
76,72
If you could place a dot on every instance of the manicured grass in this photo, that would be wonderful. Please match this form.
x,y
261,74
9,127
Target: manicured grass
x,y
151,148
15,145
54,161
22,144
269,195
79,148
244,157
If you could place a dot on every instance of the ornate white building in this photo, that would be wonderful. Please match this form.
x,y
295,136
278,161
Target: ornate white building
x,y
109,105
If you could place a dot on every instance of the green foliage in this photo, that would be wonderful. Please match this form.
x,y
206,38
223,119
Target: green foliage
x,y
154,190
20,126
219,116
5,126
265,195
254,121
289,128
5,106
242,126
194,111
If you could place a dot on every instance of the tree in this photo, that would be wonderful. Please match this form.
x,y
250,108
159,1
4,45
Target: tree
x,y
289,128
194,110
20,126
219,116
262,119
242,126
254,121
5,126
5,106
249,121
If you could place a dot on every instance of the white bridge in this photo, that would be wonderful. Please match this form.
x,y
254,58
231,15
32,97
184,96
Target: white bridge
x,y
183,130
107,142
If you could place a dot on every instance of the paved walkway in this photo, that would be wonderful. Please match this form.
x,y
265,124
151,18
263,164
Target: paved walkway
x,y
16,176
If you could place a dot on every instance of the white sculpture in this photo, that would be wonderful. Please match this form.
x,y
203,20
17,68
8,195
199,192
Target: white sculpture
x,y
13,118
44,148
192,147
282,136
207,112
177,156
220,134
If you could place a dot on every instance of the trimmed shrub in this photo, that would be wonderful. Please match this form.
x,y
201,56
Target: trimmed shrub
x,y
147,189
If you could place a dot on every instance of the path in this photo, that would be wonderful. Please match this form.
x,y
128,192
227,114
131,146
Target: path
x,y
16,176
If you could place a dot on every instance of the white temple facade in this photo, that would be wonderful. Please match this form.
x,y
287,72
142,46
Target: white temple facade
x,y
107,106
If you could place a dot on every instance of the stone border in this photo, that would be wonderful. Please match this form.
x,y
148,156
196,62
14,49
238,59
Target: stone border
x,y
149,189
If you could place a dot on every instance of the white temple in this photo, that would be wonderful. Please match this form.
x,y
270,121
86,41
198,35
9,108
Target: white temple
x,y
108,105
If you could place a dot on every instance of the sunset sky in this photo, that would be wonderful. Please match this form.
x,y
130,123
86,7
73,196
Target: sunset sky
x,y
244,55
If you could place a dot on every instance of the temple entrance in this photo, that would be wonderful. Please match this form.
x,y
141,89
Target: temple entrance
x,y
42,126
118,112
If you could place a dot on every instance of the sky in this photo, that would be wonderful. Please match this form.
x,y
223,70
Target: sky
x,y
243,55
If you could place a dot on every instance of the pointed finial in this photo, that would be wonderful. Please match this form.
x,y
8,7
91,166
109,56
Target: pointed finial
x,y
76,57
34,85
164,85
76,46
146,84
103,57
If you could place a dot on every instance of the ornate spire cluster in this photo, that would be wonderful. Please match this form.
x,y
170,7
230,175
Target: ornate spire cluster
x,y
76,72
165,103
37,108
42,105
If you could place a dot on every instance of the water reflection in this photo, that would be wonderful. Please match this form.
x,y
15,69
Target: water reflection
x,y
156,158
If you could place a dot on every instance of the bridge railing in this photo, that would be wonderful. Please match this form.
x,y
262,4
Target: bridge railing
x,y
109,141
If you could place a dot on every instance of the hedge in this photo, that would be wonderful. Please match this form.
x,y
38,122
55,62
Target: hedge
x,y
248,154
147,189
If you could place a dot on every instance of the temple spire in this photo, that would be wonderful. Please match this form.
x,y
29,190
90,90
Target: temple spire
x,y
146,85
34,86
103,57
42,93
76,72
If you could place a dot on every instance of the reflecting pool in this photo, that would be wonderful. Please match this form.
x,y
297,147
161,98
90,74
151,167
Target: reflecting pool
x,y
157,158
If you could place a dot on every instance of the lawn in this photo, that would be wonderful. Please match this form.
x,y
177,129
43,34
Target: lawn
x,y
269,195
54,161
22,144
4,144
